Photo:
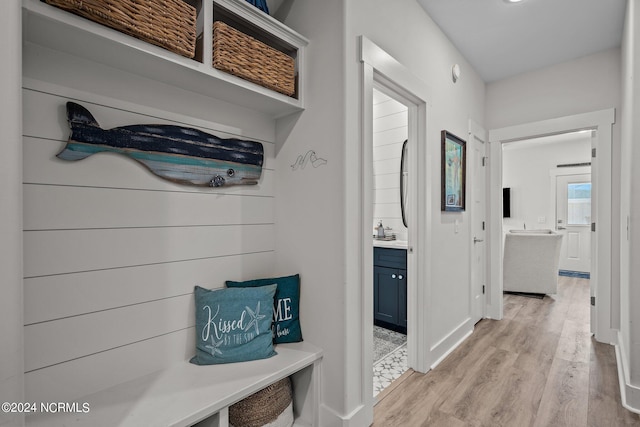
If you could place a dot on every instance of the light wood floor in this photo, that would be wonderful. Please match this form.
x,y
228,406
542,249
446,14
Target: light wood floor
x,y
538,366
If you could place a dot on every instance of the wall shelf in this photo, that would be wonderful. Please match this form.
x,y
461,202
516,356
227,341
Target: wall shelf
x,y
59,30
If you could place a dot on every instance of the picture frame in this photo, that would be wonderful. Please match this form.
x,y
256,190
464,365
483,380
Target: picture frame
x,y
454,167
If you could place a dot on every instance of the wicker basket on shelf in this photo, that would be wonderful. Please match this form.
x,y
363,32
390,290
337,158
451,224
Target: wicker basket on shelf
x,y
270,406
243,56
170,24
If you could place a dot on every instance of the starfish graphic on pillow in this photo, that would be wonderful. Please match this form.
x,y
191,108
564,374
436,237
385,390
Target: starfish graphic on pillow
x,y
214,347
255,317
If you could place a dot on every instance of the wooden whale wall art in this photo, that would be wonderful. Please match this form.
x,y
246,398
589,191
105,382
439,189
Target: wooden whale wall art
x,y
180,154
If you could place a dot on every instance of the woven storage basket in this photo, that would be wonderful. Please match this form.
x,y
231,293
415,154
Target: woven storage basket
x,y
170,24
241,55
262,407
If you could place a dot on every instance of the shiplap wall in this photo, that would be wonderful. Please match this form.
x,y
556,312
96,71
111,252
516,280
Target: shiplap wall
x,y
111,251
390,130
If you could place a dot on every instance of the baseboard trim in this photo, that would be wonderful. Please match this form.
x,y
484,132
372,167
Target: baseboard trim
x,y
356,418
629,394
446,345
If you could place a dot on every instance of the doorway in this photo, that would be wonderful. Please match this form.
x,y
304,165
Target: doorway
x,y
601,240
390,236
379,68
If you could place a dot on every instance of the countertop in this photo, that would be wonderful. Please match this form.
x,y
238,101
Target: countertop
x,y
397,244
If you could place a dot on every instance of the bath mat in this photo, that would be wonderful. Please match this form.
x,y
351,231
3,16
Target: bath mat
x,y
385,342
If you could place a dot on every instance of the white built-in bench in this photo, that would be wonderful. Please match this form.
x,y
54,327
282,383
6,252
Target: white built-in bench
x,y
187,394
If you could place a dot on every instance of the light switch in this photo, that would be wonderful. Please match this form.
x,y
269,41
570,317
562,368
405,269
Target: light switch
x,y
542,219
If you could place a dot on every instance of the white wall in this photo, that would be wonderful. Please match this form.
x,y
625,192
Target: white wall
x,y
312,233
112,252
390,130
310,202
629,337
525,169
408,34
582,85
11,335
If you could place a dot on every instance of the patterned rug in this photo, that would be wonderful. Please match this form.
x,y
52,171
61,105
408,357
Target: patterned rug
x,y
385,342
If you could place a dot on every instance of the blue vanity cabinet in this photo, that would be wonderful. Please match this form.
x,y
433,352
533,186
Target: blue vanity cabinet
x,y
385,295
390,288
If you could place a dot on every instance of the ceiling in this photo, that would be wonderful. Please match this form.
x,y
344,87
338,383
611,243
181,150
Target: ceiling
x,y
503,39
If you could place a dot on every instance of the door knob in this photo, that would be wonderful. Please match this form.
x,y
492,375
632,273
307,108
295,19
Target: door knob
x,y
476,240
393,276
400,276
562,228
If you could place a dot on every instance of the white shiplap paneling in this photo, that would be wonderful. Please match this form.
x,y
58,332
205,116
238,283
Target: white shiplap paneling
x,y
86,375
388,166
389,195
393,121
66,251
387,108
388,151
97,290
55,207
390,126
386,181
112,252
50,343
390,136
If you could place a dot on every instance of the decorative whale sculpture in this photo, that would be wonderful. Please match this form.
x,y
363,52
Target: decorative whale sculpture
x,y
180,154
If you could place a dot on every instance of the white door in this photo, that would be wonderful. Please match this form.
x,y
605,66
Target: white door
x,y
573,221
477,140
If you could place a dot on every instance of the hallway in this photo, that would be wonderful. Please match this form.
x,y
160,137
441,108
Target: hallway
x,y
537,367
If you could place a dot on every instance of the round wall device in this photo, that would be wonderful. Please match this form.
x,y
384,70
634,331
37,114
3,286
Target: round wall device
x,y
455,72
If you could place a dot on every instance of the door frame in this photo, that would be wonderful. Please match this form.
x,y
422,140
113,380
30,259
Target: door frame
x,y
601,178
378,68
477,132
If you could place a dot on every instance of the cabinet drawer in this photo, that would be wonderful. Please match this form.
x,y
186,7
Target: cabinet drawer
x,y
389,257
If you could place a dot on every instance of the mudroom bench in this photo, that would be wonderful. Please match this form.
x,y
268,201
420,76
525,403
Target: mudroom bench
x,y
189,395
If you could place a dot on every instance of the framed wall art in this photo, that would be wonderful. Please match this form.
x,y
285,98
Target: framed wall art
x,y
454,165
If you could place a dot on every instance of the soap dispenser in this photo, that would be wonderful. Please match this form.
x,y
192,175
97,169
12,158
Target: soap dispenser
x,y
380,229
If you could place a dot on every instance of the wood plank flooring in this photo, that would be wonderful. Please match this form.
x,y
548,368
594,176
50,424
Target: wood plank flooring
x,y
537,367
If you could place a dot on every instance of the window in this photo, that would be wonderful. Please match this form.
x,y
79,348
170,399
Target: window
x,y
579,203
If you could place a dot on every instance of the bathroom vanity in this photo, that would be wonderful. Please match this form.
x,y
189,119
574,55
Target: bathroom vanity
x,y
390,285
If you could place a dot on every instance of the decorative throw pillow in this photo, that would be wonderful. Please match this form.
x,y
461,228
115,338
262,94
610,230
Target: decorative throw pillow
x,y
233,325
286,313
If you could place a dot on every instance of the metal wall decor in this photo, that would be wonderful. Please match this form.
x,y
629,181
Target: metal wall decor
x,y
179,154
310,157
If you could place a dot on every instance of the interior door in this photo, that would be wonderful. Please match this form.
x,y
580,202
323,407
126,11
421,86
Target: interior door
x,y
573,221
477,138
